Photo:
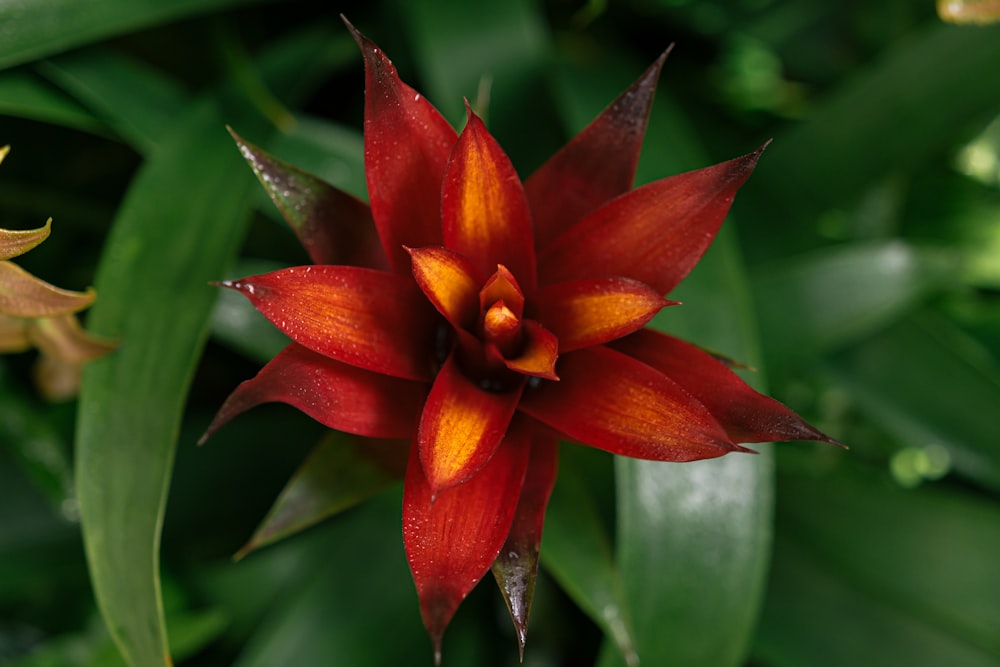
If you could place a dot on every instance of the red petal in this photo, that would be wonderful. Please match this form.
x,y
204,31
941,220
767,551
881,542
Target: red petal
x,y
591,311
746,415
369,319
539,354
484,211
609,400
407,144
654,234
450,282
596,166
338,396
333,226
516,567
453,537
461,426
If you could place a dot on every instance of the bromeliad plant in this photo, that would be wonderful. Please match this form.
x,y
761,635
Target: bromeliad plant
x,y
481,320
35,314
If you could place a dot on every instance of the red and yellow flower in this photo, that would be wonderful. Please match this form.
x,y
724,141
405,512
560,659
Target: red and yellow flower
x,y
483,319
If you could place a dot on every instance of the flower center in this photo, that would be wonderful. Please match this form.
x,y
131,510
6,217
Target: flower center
x,y
501,327
485,330
505,347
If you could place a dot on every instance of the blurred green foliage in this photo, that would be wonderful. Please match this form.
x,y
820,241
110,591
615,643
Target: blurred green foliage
x,y
859,274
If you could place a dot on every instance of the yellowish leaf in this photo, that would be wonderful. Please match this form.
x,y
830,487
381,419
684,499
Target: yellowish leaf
x,y
24,295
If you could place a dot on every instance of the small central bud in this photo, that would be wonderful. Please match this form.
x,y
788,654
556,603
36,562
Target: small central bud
x,y
502,327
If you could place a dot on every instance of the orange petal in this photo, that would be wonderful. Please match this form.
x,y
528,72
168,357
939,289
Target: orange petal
x,y
484,211
407,144
609,400
590,311
17,242
502,286
596,166
450,282
370,319
461,426
539,354
452,537
337,395
654,234
24,295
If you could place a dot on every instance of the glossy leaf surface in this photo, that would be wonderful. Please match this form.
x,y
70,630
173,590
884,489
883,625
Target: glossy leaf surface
x,y
33,29
122,451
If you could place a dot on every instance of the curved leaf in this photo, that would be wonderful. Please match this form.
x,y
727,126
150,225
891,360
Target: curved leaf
x,y
171,235
847,550
339,473
31,29
904,108
836,295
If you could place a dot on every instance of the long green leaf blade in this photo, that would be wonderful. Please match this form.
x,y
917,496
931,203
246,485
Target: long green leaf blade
x,y
178,229
173,234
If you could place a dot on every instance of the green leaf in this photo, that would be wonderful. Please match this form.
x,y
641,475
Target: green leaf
x,y
31,29
139,102
869,573
930,385
340,472
916,101
355,604
178,229
576,550
170,238
839,294
25,95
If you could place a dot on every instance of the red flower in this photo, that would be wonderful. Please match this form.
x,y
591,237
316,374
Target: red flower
x,y
496,319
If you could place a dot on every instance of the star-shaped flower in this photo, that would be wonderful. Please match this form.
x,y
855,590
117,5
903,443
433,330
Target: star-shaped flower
x,y
484,319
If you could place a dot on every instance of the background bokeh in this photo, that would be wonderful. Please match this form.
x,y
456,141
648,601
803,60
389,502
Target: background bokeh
x,y
859,275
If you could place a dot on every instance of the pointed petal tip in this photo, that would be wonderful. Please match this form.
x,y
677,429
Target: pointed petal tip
x,y
747,163
355,33
653,71
833,441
